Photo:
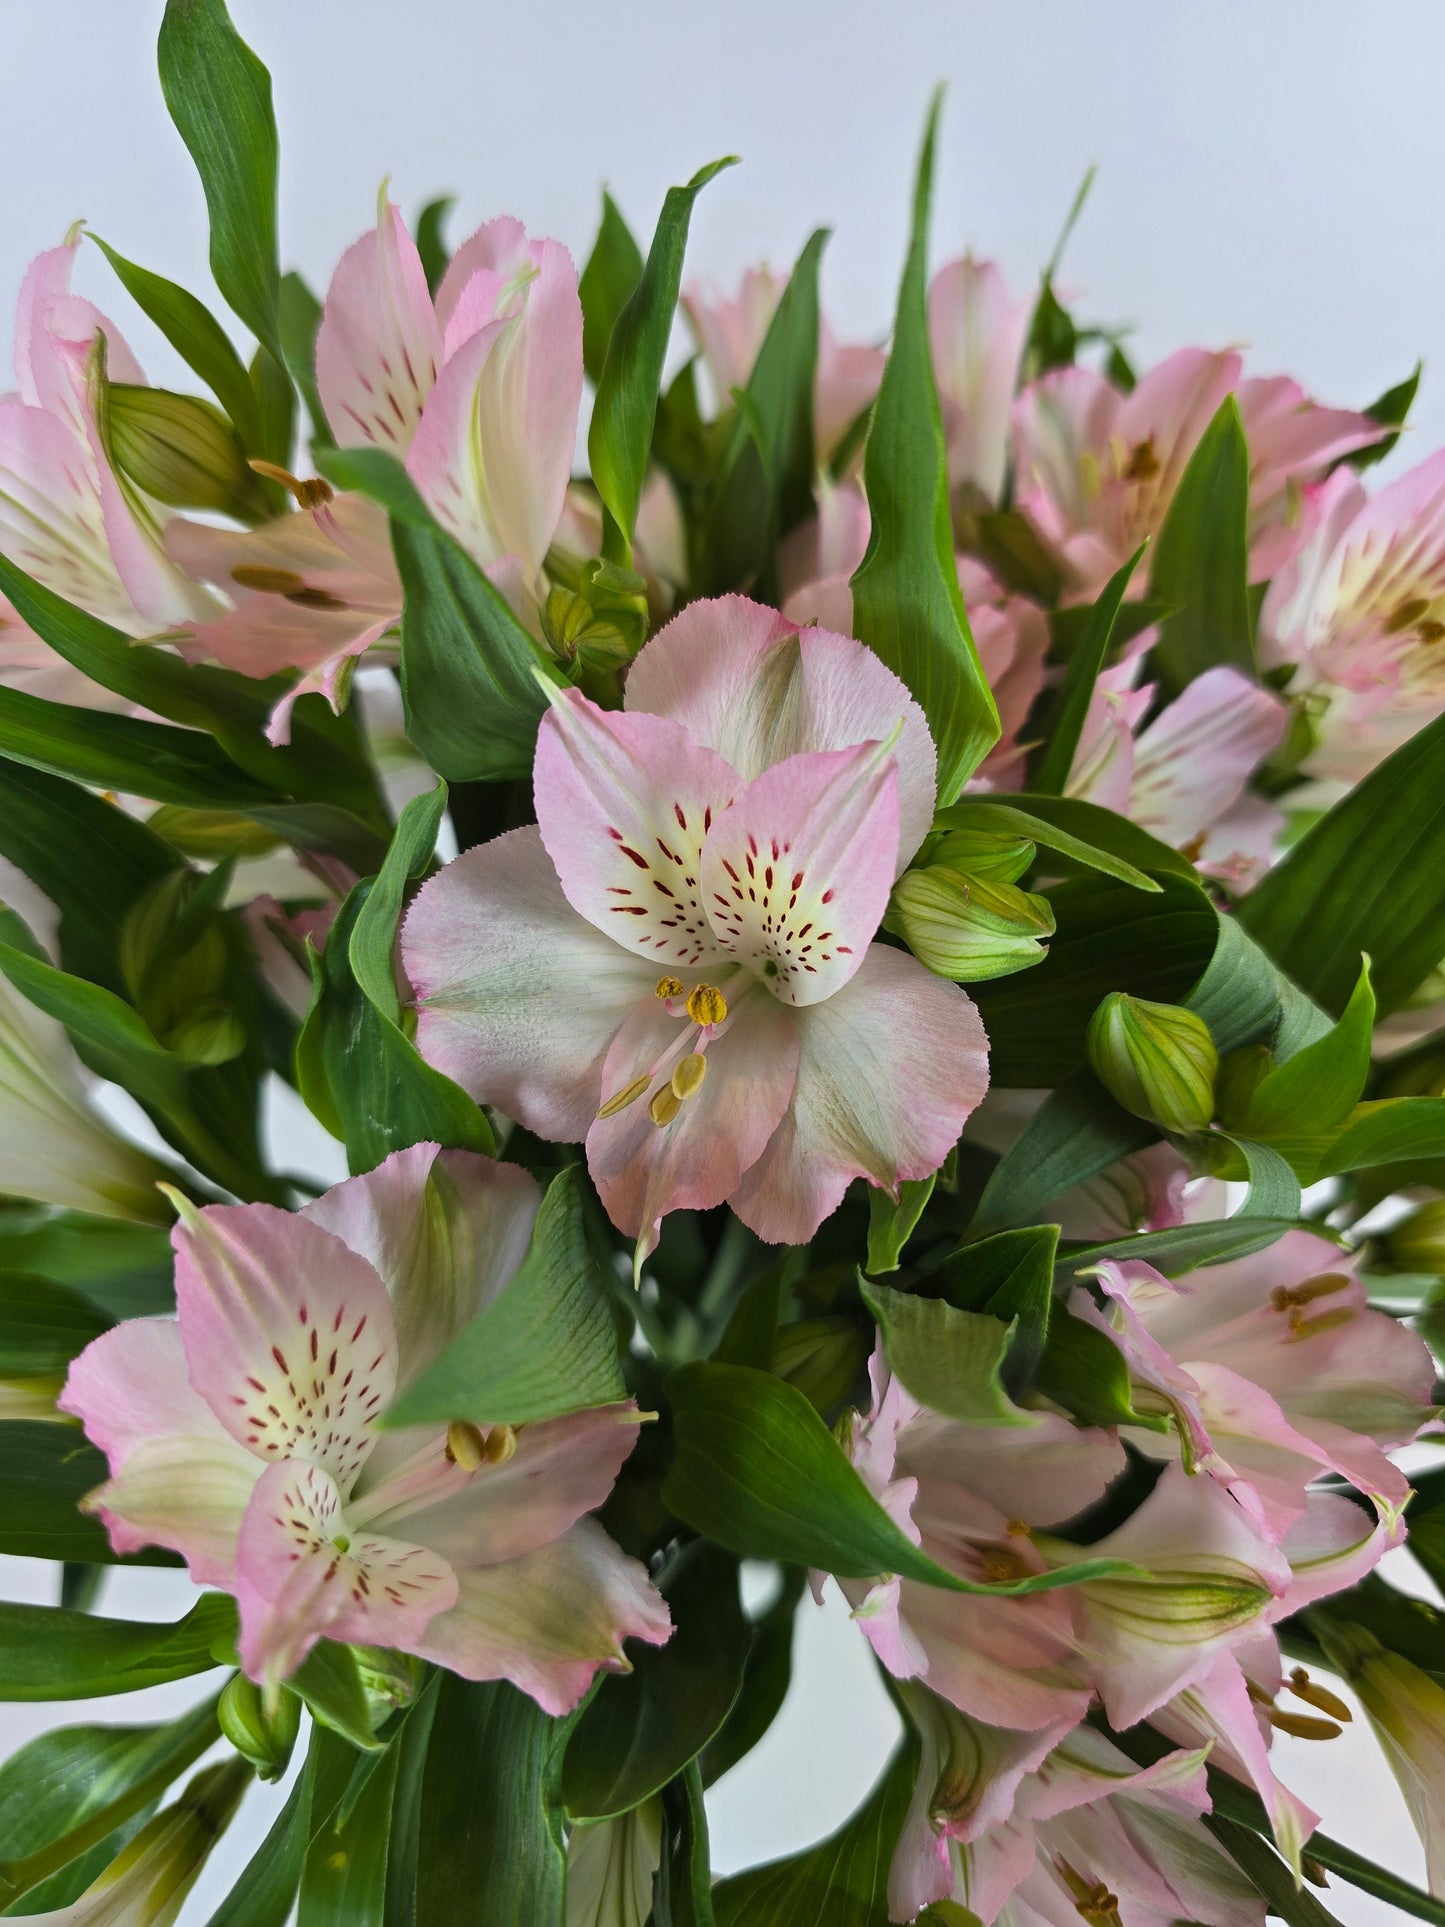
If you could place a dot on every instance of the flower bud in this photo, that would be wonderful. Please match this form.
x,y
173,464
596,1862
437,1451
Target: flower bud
x,y
1157,1060
991,854
181,451
1419,1243
265,1739
969,927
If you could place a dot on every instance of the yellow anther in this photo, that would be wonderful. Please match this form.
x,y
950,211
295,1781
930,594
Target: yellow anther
x,y
1306,1689
689,1075
1143,463
501,1444
620,1100
250,575
1328,1321
1283,1297
466,1445
1003,1567
668,987
313,494
1302,1725
1019,1529
664,1106
707,1006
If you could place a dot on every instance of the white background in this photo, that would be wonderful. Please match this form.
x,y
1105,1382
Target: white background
x,y
1268,175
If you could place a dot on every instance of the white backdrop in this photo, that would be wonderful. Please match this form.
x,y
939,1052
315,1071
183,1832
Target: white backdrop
x,y
1267,175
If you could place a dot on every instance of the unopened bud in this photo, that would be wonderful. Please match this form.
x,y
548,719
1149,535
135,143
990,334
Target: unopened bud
x,y
1419,1243
991,854
969,928
264,1738
1157,1060
182,451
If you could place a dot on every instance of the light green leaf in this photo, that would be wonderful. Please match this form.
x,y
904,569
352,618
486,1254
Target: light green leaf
x,y
546,1345
1200,567
1083,1370
606,285
1388,1132
891,1225
1184,1247
906,601
328,1681
949,1360
373,935
1321,1084
1011,1277
1005,819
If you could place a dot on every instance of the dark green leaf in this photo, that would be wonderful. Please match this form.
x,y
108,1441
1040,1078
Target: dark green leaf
x,y
682,1892
1370,876
1010,1276
48,1653
950,1360
1076,1132
619,441
329,1683
42,1326
373,935
344,1881
1274,1190
1072,706
757,1470
124,1270
1184,1247
300,317
266,1891
1244,999
613,271
276,400
1200,567
1269,1875
641,1728
1047,828
1084,1371
766,1678
431,242
219,96
1390,410
906,601
46,1469
546,1345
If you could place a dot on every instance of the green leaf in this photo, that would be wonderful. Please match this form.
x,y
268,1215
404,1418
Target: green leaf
x,y
1244,999
843,1882
891,1225
613,271
619,441
1269,1875
431,242
1075,1133
328,1681
1321,1084
197,337
300,318
641,1728
124,1270
46,1469
544,1346
1011,1277
48,1653
42,1326
1184,1247
949,1360
766,1677
757,1470
1274,1190
468,667
1370,876
1084,1371
906,601
1386,1133
1049,827
682,1893
764,484
219,96
1201,558
1072,706
266,1891
344,1881
373,935
1390,410
490,1847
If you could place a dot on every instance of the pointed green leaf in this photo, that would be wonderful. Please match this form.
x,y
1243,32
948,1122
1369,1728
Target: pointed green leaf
x,y
1005,819
46,1469
1388,1132
1201,559
949,1360
1072,706
1321,1084
48,1653
891,1224
613,271
1076,1132
431,242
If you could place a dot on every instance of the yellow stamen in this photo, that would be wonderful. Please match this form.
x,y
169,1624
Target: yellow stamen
x,y
629,1094
1283,1297
501,1444
668,987
311,495
1017,1529
1306,1689
1302,1726
1002,1567
466,1445
253,575
664,1106
707,1006
689,1074
1143,463
1302,1327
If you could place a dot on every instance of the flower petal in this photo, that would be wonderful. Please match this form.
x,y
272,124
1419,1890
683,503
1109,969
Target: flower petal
x,y
624,803
1193,761
185,1491
757,689
890,1069
518,997
289,1336
51,519
378,347
977,331
130,1385
549,1621
796,874
301,1576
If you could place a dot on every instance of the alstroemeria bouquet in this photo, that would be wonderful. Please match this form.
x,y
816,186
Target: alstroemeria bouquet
x,y
924,1071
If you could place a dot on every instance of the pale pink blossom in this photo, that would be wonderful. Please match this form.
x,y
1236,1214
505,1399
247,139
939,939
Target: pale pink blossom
x,y
1359,614
1095,469
978,332
245,1436
678,962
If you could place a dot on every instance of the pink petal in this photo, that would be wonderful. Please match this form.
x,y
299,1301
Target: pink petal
x,y
890,1069
378,347
796,874
1194,759
757,690
977,331
999,1661
643,1170
623,805
1041,1474
518,997
130,1385
444,1231
729,330
49,319
289,1336
185,1491
499,248
302,1576
549,1621
1333,1545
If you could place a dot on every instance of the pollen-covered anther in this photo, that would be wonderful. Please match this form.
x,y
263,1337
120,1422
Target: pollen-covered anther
x,y
669,987
664,1106
1304,1726
466,1445
620,1100
1002,1566
1019,1529
1313,1694
267,581
1290,1297
688,1075
707,1006
501,1444
312,494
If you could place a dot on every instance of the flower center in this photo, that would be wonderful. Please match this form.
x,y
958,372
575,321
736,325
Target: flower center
x,y
706,1012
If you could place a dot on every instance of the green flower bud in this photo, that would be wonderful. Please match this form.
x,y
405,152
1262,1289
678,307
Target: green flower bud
x,y
181,451
1158,1060
1419,1243
265,1739
1240,1075
984,853
968,927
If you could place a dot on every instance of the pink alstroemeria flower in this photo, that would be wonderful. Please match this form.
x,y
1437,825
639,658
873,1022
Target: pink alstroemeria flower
x,y
1276,1371
1095,469
729,331
678,961
1184,776
245,1436
66,517
1032,1836
977,331
1360,615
